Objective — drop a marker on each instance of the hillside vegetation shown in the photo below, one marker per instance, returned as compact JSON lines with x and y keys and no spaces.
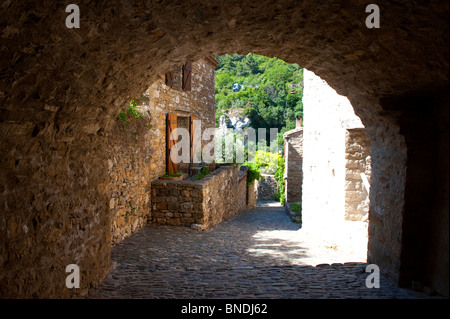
{"x":270,"y":90}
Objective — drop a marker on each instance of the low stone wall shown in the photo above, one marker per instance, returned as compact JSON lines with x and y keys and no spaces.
{"x":200,"y":204}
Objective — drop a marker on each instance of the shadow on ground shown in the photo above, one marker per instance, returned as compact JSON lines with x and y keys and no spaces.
{"x":257,"y":254}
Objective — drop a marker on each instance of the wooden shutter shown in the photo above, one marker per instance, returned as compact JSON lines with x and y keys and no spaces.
{"x":192,"y":134}
{"x":171,"y":124}
{"x":187,"y":76}
{"x":169,"y":78}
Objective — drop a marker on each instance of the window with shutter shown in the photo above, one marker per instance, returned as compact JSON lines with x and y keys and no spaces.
{"x":169,"y":78}
{"x":187,"y":76}
{"x":177,"y":78}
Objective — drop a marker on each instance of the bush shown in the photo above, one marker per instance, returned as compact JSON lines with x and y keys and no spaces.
{"x":205,"y":171}
{"x":279,"y":176}
{"x":253,"y":173}
{"x":297,"y":209}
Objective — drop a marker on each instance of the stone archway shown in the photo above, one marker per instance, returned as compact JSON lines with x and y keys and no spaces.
{"x":62,"y":88}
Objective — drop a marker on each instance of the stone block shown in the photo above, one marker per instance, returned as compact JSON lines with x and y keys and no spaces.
{"x":161,"y":221}
{"x":162,"y":192}
{"x":186,"y":220}
{"x":186,"y":206}
{"x":161,"y":206}
{"x":185,"y":193}
{"x":172,"y":206}
{"x":197,"y":226}
{"x":174,"y":222}
{"x":198,"y":214}
{"x":195,"y":193}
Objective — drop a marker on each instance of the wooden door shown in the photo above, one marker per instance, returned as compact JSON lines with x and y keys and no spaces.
{"x":171,"y":125}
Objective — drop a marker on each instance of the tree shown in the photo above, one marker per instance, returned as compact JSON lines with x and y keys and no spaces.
{"x":266,"y":87}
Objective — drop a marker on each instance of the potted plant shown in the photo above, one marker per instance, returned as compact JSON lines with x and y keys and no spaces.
{"x":173,"y":176}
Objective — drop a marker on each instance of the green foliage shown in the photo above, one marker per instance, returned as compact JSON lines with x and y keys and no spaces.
{"x":232,"y":140}
{"x":266,"y":93}
{"x":253,"y":173}
{"x":172,"y":174}
{"x":279,"y":176}
{"x":271,"y":96}
{"x":129,"y":115}
{"x":267,"y":162}
{"x":126,"y":116}
{"x":205,"y":171}
{"x":296,"y":208}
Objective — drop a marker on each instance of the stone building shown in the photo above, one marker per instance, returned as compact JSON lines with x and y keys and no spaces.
{"x":137,"y":159}
{"x":336,"y":158}
{"x":293,"y":157}
{"x":140,"y":156}
{"x":61,"y":92}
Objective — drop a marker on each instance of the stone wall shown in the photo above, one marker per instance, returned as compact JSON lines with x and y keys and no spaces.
{"x":224,"y":196}
{"x":251,"y":195}
{"x":200,"y":204}
{"x":266,"y":187}
{"x":130,"y":172}
{"x":327,"y":118}
{"x":135,"y":160}
{"x":357,"y":162}
{"x":293,"y":156}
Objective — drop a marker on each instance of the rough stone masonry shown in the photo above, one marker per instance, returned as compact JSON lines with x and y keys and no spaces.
{"x":62,"y":89}
{"x":135,"y":160}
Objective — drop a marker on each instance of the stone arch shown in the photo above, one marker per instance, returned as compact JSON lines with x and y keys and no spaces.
{"x":61,"y":89}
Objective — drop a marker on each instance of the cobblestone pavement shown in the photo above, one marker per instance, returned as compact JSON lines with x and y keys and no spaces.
{"x":257,"y":254}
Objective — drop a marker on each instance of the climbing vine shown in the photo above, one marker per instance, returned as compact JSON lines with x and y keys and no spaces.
{"x":126,"y":116}
{"x":129,"y":115}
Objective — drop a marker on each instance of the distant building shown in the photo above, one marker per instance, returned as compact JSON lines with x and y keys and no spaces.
{"x":293,"y":156}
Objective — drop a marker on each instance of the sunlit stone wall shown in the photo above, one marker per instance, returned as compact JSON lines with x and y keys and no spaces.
{"x":327,"y":116}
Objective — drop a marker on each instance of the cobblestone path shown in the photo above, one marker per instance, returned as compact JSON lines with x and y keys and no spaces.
{"x":257,"y":254}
